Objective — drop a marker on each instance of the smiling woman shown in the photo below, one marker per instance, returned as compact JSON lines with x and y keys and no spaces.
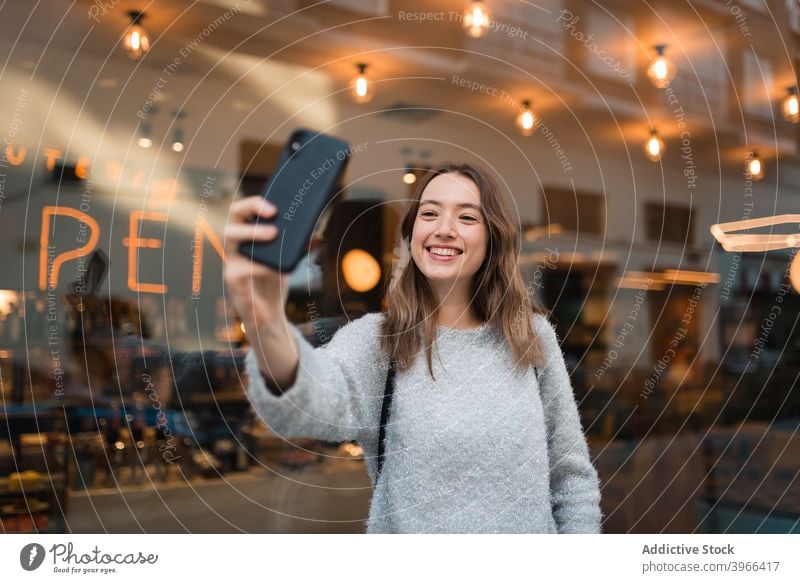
{"x":487,"y":437}
{"x":459,"y":207}
{"x":449,"y":243}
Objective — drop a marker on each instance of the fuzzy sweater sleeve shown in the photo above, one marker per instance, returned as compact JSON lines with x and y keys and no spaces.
{"x":335,"y":394}
{"x":574,"y":484}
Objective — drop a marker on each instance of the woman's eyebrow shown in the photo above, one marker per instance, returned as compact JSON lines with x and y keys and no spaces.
{"x":461,"y":204}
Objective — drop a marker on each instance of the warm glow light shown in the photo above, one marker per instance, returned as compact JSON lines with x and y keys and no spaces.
{"x":360,"y":270}
{"x":667,"y":277}
{"x":361,"y":90}
{"x":361,"y":86}
{"x":534,"y":233}
{"x":135,"y":40}
{"x":757,"y":243}
{"x":753,"y":168}
{"x":794,"y":273}
{"x":656,"y":280}
{"x":8,"y":298}
{"x":351,"y":449}
{"x":689,"y":277}
{"x":177,"y":136}
{"x":737,"y":243}
{"x":791,"y":105}
{"x":526,"y":120}
{"x":638,"y":283}
{"x":654,"y":147}
{"x":477,"y":19}
{"x":409,"y":177}
{"x":144,"y":135}
{"x":661,"y":71}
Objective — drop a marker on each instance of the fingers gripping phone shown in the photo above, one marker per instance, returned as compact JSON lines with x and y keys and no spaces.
{"x":301,"y":186}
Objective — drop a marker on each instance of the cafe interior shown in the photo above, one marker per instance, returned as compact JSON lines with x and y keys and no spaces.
{"x":650,"y":153}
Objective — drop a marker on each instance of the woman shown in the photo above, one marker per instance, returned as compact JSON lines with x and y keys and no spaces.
{"x":484,"y":433}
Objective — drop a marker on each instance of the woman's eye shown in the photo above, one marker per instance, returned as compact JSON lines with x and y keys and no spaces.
{"x":433,"y":214}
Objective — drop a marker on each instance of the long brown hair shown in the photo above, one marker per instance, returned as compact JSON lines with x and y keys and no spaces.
{"x":499,"y":296}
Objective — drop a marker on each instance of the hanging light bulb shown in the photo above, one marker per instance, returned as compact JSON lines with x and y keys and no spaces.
{"x":409,"y":177}
{"x":753,"y":167}
{"x":654,"y":147}
{"x":135,"y":40}
{"x":177,"y":140}
{"x":791,"y":105}
{"x":144,"y":135}
{"x":476,"y":19}
{"x":361,"y":89}
{"x":177,"y":134}
{"x":526,"y":120}
{"x":662,"y":70}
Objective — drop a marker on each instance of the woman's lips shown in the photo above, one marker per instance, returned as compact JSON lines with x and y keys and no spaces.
{"x":442,"y":258}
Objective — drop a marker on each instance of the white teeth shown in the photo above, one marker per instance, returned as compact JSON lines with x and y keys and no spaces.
{"x":443,"y":251}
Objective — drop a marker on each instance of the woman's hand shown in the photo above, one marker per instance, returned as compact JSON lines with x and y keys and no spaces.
{"x":258,"y":293}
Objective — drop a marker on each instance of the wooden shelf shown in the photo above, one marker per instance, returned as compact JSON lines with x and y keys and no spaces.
{"x":46,"y":486}
{"x":43,"y":503}
{"x":44,"y":507}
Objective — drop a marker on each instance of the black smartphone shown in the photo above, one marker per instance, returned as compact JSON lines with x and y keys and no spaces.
{"x":95,"y":274}
{"x":301,"y":186}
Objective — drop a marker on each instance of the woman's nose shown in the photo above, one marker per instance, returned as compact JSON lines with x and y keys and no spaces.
{"x":446,"y":227}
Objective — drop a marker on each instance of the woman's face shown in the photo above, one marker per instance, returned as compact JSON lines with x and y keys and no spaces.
{"x":448,"y":243}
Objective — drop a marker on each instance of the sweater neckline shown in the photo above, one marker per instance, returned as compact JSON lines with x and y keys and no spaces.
{"x":464,"y":331}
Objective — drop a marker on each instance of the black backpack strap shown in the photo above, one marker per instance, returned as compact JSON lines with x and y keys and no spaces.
{"x":386,"y":406}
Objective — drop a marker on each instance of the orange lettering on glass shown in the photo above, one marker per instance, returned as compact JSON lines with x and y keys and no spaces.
{"x":133,"y":242}
{"x":197,"y":256}
{"x":51,"y":277}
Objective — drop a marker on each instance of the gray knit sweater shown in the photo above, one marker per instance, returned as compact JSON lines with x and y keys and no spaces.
{"x":481,"y":449}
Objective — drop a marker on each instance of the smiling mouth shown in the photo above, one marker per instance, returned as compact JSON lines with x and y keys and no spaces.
{"x":443,"y":252}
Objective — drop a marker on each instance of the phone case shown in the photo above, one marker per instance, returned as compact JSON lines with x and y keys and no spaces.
{"x":95,"y":274}
{"x":301,"y":186}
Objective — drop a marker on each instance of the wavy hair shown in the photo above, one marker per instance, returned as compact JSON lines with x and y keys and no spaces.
{"x":498,"y":295}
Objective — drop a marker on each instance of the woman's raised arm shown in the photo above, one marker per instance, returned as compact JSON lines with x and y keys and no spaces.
{"x":258,"y":293}
{"x":297,"y":390}
{"x":336,"y":393}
